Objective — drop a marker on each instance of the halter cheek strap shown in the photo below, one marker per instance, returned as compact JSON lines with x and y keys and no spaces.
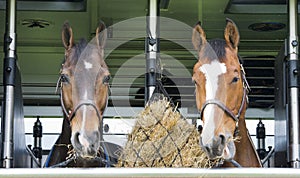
{"x":63,"y":105}
{"x":221,"y":105}
{"x":85,"y":103}
{"x":226,"y":110}
{"x":70,"y":115}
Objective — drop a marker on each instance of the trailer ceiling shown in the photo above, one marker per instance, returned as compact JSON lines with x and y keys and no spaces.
{"x":40,"y":50}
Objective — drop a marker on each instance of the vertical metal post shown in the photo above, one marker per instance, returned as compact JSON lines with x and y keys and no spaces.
{"x":293,"y":88}
{"x":152,"y":47}
{"x":261,"y":136}
{"x":9,"y":71}
{"x":37,"y":135}
{"x":280,"y":108}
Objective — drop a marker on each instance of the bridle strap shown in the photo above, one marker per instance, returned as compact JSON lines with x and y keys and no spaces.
{"x":63,"y":105}
{"x":244,"y":100}
{"x":88,"y":103}
{"x":235,"y":163}
{"x":71,"y":115}
{"x":235,"y":117}
{"x":221,"y":105}
{"x":224,"y":107}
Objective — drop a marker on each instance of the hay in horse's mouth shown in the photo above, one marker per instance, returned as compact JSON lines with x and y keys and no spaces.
{"x":161,"y":137}
{"x":72,"y":154}
{"x":74,"y":158}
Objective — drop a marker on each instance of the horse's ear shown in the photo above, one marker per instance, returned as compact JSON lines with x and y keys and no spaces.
{"x":67,"y":36}
{"x":199,"y":37}
{"x":231,"y":34}
{"x":101,"y":34}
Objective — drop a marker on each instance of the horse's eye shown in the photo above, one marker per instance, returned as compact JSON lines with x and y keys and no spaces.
{"x":106,"y":79}
{"x":194,"y":81}
{"x":235,"y":79}
{"x":64,"y":78}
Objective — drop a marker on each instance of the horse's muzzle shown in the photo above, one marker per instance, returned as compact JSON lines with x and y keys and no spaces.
{"x":86,"y":144}
{"x":219,"y":147}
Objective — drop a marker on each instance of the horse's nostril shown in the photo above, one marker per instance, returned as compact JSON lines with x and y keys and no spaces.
{"x":91,"y":151}
{"x":86,"y":144}
{"x":77,"y":137}
{"x":223,"y":139}
{"x":207,"y":149}
{"x":76,"y":141}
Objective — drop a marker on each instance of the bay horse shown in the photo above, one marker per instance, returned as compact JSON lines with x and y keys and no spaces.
{"x":221,"y":97}
{"x":84,"y":88}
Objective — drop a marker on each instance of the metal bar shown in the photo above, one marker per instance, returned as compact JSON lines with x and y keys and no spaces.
{"x":149,"y":172}
{"x":280,"y":113}
{"x":152,"y":47}
{"x":7,"y":128}
{"x":293,"y":90}
{"x":37,"y":135}
{"x":119,"y":112}
{"x":35,"y":160}
{"x":269,"y":155}
{"x":9,"y":72}
{"x":200,"y":10}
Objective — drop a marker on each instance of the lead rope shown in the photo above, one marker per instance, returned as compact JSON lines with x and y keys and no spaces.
{"x":235,"y":163}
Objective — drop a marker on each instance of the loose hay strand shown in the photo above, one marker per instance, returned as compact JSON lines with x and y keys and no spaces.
{"x":161,"y":137}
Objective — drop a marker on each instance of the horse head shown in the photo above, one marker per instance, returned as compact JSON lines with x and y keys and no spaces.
{"x":84,"y":89}
{"x":221,"y":92}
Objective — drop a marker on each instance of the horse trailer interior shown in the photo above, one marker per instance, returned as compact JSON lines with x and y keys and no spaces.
{"x":33,"y":53}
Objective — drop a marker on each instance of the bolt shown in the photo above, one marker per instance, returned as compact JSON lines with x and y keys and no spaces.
{"x":200,"y":128}
{"x":8,"y":69}
{"x":106,"y":128}
{"x":294,"y":43}
{"x":295,"y":72}
{"x":151,"y":70}
{"x":8,"y":39}
{"x":152,"y":41}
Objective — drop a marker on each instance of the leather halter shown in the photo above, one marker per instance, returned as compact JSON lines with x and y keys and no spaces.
{"x":221,"y":105}
{"x":70,"y":115}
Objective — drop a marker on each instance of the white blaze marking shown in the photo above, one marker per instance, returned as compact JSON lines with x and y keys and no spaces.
{"x":88,"y":65}
{"x":83,"y":118}
{"x":211,"y":72}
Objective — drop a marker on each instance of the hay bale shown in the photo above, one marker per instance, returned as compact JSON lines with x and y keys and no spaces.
{"x":161,"y":137}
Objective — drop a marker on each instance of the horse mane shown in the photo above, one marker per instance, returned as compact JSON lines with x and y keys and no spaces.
{"x":218,"y":46}
{"x":79,"y":48}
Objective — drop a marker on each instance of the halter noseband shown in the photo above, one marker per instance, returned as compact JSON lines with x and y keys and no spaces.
{"x":70,"y":115}
{"x":221,"y":105}
{"x":86,"y":103}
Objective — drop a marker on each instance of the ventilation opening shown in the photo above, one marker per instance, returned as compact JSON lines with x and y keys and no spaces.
{"x":47,"y":5}
{"x":257,"y":7}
